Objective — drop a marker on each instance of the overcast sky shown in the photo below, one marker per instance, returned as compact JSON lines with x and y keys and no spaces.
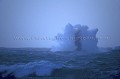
{"x":36,"y":18}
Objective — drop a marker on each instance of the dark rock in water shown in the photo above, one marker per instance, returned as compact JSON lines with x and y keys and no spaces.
{"x":116,"y":76}
{"x":9,"y":76}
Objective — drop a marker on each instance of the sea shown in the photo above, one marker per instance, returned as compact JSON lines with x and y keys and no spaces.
{"x":41,"y":63}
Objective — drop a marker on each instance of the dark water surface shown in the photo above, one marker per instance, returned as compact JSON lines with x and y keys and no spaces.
{"x":36,"y":63}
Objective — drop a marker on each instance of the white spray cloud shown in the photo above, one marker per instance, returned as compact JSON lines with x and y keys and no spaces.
{"x":77,"y":38}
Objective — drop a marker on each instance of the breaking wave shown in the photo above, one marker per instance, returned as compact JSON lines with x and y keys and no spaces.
{"x":42,"y":68}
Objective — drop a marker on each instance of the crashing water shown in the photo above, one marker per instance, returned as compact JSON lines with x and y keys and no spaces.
{"x":77,"y":38}
{"x":41,"y":68}
{"x":25,"y":63}
{"x":46,"y":64}
{"x":71,"y":59}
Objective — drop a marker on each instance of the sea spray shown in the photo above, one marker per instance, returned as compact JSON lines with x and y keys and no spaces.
{"x":76,"y":38}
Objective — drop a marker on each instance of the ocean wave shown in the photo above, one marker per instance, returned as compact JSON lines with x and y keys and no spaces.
{"x":41,"y":68}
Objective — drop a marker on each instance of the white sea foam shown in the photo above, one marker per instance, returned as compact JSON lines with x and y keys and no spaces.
{"x":42,"y":68}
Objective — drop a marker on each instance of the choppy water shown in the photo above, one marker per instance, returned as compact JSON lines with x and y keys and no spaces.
{"x":34,"y":63}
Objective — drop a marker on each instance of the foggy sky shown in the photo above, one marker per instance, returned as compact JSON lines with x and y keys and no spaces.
{"x":36,"y":18}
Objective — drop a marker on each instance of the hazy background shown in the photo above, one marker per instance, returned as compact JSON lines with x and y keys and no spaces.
{"x":36,"y":18}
